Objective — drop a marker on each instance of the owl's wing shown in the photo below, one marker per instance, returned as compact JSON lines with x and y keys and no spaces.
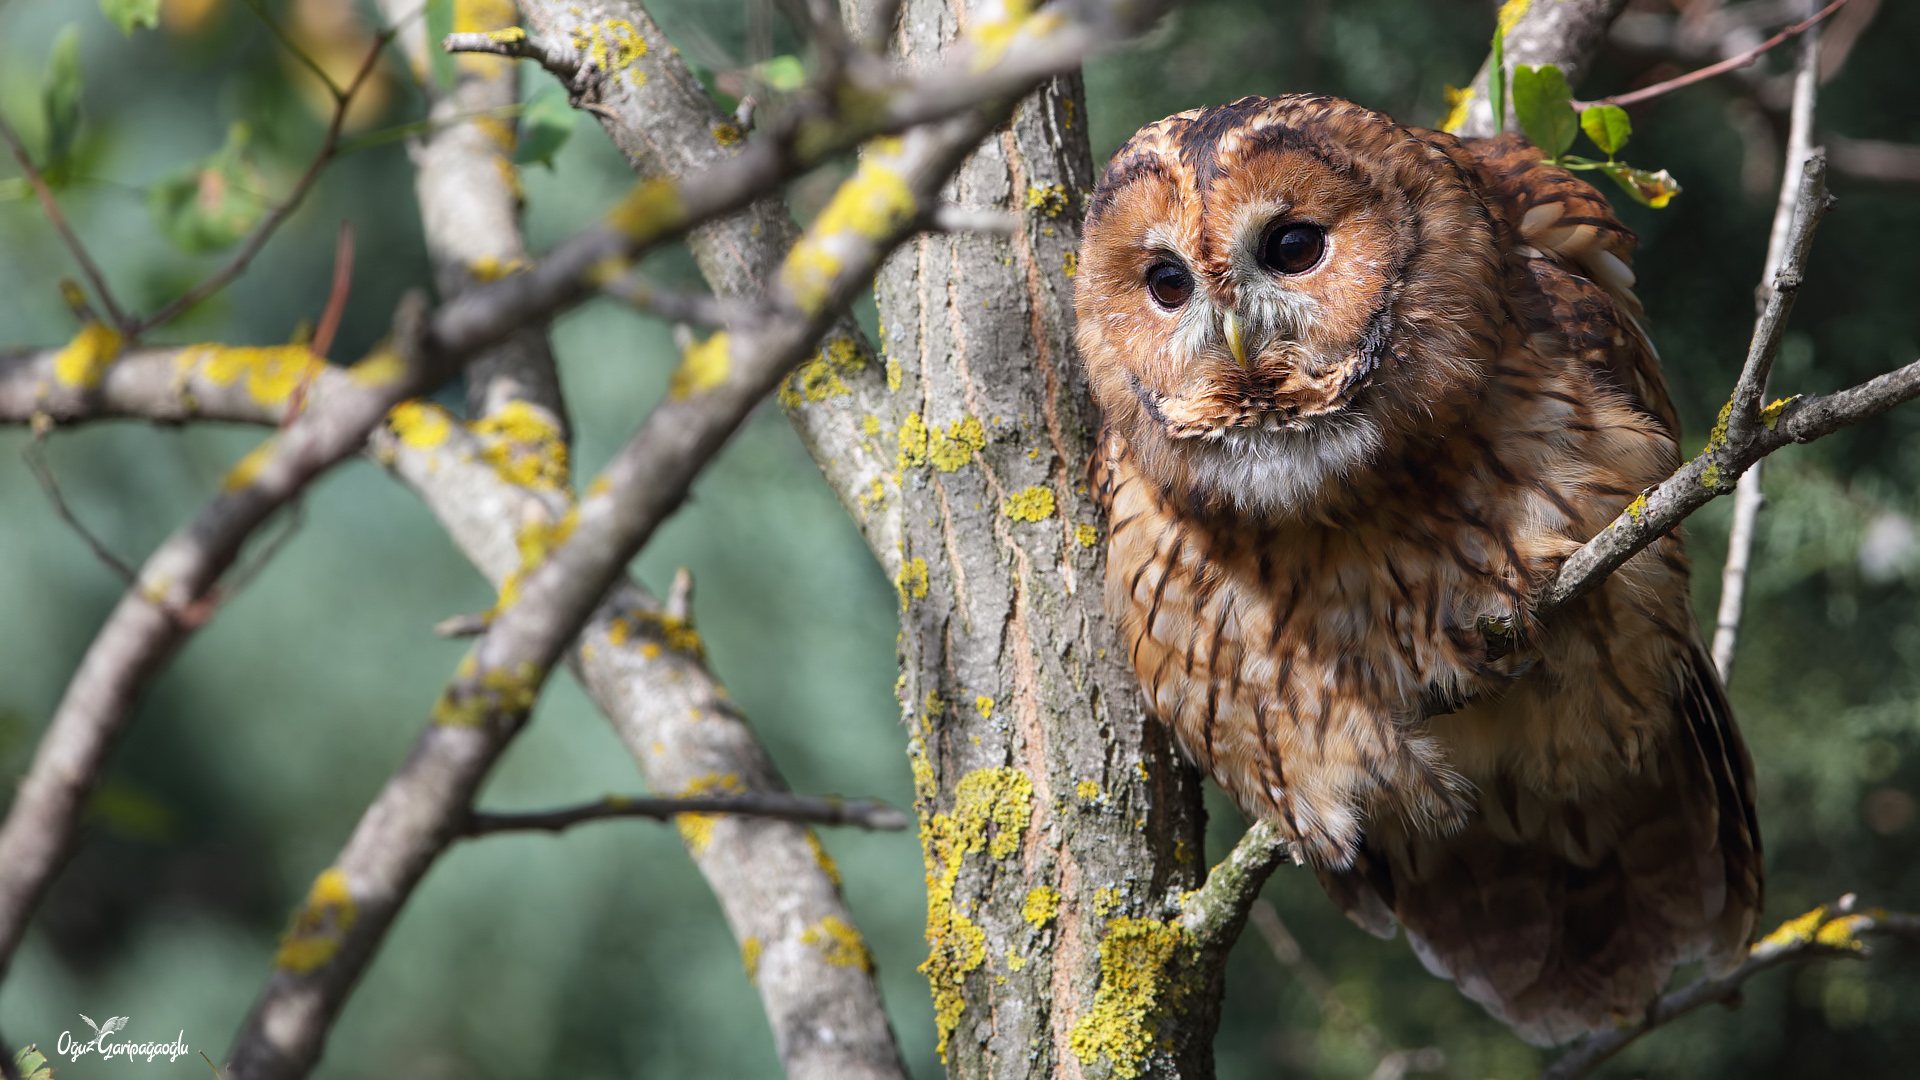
{"x":1565,"y":917}
{"x":1559,"y":225}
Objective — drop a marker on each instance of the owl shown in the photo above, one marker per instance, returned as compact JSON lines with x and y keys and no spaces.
{"x":1364,"y":388}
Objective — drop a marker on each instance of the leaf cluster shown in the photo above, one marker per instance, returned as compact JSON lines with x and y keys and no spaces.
{"x":1543,"y":102}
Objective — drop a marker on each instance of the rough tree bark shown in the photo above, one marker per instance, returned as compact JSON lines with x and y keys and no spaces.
{"x":1059,"y":824}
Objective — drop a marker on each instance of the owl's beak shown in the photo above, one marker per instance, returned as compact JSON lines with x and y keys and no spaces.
{"x":1235,"y":344}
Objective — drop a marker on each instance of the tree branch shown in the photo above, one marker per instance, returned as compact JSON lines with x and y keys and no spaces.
{"x":177,"y":589}
{"x":809,"y":809}
{"x":1824,"y":932}
{"x":1216,"y":912}
{"x":662,"y":120}
{"x":1752,"y":389}
{"x":419,"y":810}
{"x":1648,"y":93}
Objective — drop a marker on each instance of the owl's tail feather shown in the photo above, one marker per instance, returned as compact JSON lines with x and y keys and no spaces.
{"x":1566,"y":916}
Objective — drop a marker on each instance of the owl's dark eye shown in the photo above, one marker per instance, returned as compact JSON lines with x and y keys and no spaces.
{"x":1293,"y":249}
{"x":1169,"y":283}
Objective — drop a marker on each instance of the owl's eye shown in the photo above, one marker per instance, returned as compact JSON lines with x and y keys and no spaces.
{"x":1293,"y":249}
{"x":1169,"y":283}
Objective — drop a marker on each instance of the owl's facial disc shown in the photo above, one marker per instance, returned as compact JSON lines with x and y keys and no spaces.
{"x":1274,"y":293}
{"x":1247,"y":346}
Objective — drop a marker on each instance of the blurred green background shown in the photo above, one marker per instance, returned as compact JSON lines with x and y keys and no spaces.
{"x":600,"y":952}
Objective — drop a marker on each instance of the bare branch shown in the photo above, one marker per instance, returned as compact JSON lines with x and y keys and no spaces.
{"x":663,"y":121}
{"x":1752,"y":389}
{"x":1216,"y":912}
{"x":1647,"y":93}
{"x":561,"y":60}
{"x":176,"y":591}
{"x":422,"y":806}
{"x":811,"y":809}
{"x":1823,"y":933}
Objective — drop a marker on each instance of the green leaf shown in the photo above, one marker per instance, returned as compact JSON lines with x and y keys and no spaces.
{"x":211,"y":205}
{"x":1607,"y":126}
{"x":783,"y":73}
{"x":1540,"y":100}
{"x":1655,"y":189}
{"x":31,"y":1064}
{"x":131,"y":14}
{"x":439,"y":25}
{"x":60,"y":97}
{"x":545,"y":124}
{"x":1497,"y":81}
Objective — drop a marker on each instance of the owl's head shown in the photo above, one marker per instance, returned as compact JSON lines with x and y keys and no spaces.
{"x":1274,"y":294}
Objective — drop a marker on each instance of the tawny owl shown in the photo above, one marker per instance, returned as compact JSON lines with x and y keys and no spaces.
{"x":1365,"y":386}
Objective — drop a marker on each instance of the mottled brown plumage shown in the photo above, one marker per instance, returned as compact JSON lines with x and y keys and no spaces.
{"x":1327,"y":484}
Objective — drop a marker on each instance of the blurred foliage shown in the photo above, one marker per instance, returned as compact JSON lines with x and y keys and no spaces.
{"x":600,"y":952}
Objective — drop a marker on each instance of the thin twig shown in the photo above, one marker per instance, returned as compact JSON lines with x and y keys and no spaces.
{"x":300,"y":54}
{"x":560,"y":59}
{"x":1827,"y":931}
{"x":1749,"y":499}
{"x":279,"y":215}
{"x":1647,"y":93}
{"x":35,"y":457}
{"x":59,"y":221}
{"x":337,"y":295}
{"x":814,"y":810}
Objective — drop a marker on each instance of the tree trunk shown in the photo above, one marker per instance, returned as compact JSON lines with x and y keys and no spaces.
{"x":1059,"y":823}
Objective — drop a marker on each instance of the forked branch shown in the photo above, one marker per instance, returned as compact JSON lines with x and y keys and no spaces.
{"x":1826,"y":932}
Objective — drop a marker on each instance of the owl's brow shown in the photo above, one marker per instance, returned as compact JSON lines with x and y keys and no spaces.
{"x":1123,"y":173}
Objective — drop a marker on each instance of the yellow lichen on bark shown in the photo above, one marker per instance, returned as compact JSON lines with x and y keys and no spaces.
{"x":273,"y":372}
{"x":1139,"y":979}
{"x":750,"y":958}
{"x":911,"y":582}
{"x":705,"y":366}
{"x":839,"y":943}
{"x":870,"y":205}
{"x":1041,"y":906}
{"x":247,"y":469}
{"x":319,"y":926}
{"x":499,"y":691}
{"x":992,"y":808}
{"x":613,"y":46}
{"x":696,"y":830}
{"x":536,"y":540}
{"x":420,"y":424}
{"x":83,"y":362}
{"x":1030,"y":504}
{"x":820,"y":377}
{"x":822,"y":858}
{"x":649,"y":209}
{"x":524,"y":445}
